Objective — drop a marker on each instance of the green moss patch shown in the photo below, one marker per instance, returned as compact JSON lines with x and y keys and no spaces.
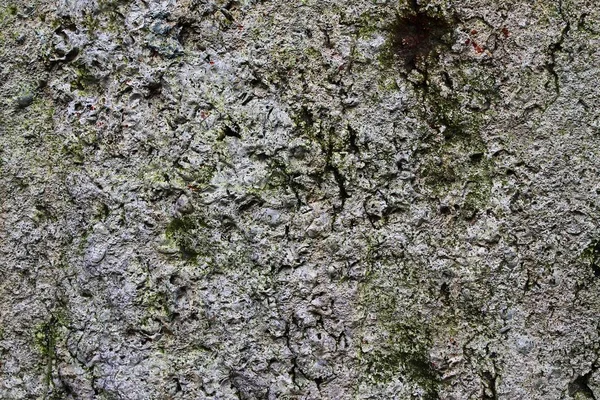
{"x":190,"y":236}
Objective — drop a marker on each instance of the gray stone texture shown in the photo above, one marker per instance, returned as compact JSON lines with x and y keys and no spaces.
{"x":306,"y":199}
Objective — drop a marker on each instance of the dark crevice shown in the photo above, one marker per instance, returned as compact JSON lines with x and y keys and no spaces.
{"x":581,"y":386}
{"x":373,"y":218}
{"x":294,"y":367}
{"x":554,"y":48}
{"x":447,"y":80}
{"x":339,"y":178}
{"x":352,"y":135}
{"x":178,"y":387}
{"x":490,"y":380}
{"x":289,"y":181}
{"x":232,"y":130}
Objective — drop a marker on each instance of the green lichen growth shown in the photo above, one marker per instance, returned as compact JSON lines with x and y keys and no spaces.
{"x":189,"y":236}
{"x":47,"y":336}
{"x":106,"y":17}
{"x":8,"y":13}
{"x":100,"y":211}
{"x":46,"y":341}
{"x":157,"y":306}
{"x":74,"y":150}
{"x":43,"y":213}
{"x":91,"y":22}
{"x":454,"y":153}
{"x":84,"y":80}
{"x":202,"y":175}
{"x":458,"y":100}
{"x":371,"y":22}
{"x":459,"y":165}
{"x":402,"y":350}
{"x":405,"y":354}
{"x":209,"y":247}
{"x":455,"y":104}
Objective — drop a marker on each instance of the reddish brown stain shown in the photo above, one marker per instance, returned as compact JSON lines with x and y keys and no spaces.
{"x":478,"y":48}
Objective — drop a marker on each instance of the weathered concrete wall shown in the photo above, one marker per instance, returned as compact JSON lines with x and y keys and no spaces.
{"x":341,"y":199}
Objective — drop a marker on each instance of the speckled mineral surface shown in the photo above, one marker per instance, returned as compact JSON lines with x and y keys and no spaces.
{"x":304,"y":199}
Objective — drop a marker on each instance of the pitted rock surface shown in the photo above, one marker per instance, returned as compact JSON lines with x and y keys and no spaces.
{"x":217,"y":199}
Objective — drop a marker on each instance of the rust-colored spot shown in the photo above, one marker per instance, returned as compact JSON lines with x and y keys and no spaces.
{"x":505,"y":32}
{"x":478,"y":48}
{"x":473,"y":32}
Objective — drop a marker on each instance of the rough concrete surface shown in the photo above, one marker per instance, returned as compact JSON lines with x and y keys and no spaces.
{"x":304,"y":199}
